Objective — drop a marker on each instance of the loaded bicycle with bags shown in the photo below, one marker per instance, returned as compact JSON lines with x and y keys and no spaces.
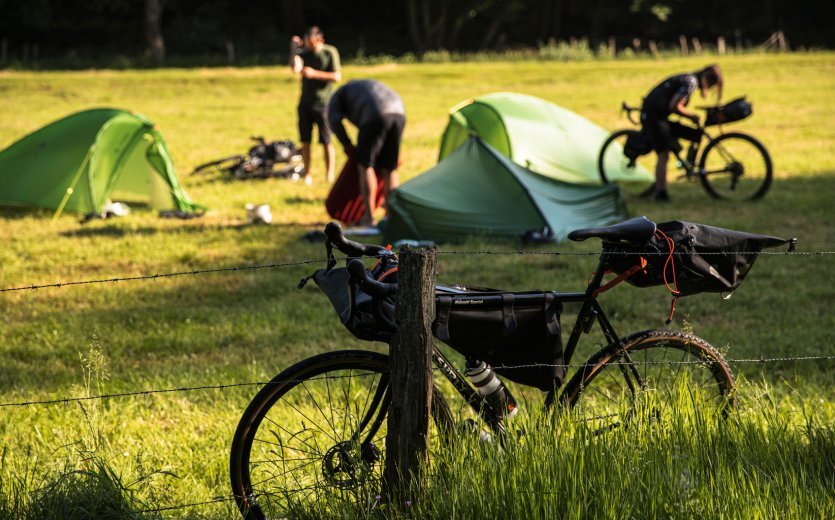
{"x":321,"y":423}
{"x":729,"y":165}
{"x":264,"y":159}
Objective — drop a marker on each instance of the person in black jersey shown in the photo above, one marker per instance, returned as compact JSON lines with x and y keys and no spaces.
{"x":671,"y":96}
{"x":379,"y":114}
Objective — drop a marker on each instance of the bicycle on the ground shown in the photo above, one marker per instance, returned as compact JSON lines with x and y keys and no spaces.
{"x":321,"y":423}
{"x":265,"y":159}
{"x":732,"y":166}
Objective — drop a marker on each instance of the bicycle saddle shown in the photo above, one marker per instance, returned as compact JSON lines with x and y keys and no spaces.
{"x":639,"y":229}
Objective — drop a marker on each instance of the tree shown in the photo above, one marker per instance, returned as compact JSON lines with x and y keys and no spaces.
{"x":153,"y":30}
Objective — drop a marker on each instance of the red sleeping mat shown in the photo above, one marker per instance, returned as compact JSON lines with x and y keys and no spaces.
{"x":344,"y":202}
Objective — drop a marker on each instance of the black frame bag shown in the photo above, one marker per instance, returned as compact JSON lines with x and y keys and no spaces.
{"x":519,"y":339}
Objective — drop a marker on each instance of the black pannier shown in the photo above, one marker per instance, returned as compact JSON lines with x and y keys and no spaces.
{"x":519,"y":335}
{"x":636,"y":145}
{"x":690,"y":258}
{"x":735,"y":110}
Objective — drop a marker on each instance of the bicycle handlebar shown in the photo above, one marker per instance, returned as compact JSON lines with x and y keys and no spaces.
{"x":358,"y":273}
{"x":337,"y":238}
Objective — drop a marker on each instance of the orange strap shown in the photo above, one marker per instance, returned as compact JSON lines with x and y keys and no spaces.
{"x":621,"y":277}
{"x":671,"y":262}
{"x":388,"y":247}
{"x":390,"y":271}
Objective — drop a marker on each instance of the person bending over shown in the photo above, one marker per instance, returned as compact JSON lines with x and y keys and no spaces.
{"x":379,"y":114}
{"x":671,"y":96}
{"x":319,"y":67}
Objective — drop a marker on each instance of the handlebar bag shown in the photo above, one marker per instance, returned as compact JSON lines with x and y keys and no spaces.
{"x":735,"y":110}
{"x":364,"y":317}
{"x":690,"y":258}
{"x":511,"y":336}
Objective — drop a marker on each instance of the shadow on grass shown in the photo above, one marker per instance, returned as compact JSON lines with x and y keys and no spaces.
{"x":260,"y":314}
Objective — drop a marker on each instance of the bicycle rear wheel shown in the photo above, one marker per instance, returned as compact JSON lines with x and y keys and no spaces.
{"x":226,"y":163}
{"x":319,"y":425}
{"x":614,"y":166}
{"x":735,"y":166}
{"x":650,"y":374}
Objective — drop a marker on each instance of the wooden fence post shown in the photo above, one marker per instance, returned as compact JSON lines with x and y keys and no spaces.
{"x":682,"y":41}
{"x":407,"y":440}
{"x":697,"y":45}
{"x":653,"y":49}
{"x":720,"y":45}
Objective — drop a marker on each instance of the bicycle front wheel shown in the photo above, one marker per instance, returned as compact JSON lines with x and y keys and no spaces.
{"x":227,"y":163}
{"x":735,"y":166}
{"x":650,"y":374}
{"x":318,"y":426}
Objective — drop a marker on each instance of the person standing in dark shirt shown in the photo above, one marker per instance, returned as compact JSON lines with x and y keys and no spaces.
{"x":379,"y":114}
{"x":320,"y":68}
{"x":671,"y":96}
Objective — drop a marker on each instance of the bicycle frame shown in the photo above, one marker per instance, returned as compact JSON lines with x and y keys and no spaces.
{"x":590,"y":311}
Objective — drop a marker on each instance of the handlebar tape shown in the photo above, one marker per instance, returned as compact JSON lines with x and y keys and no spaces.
{"x":358,"y":273}
{"x":337,"y":238}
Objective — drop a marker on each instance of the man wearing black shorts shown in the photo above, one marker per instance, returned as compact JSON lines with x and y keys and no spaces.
{"x":671,"y":96}
{"x":319,"y":67}
{"x":379,"y":114}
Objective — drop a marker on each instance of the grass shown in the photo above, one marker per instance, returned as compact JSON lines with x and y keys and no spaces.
{"x":167,"y":449}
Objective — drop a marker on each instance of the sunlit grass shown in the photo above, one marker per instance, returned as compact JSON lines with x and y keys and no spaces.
{"x":162,"y":450}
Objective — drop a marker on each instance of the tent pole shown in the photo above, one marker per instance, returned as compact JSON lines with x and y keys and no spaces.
{"x":72,"y":184}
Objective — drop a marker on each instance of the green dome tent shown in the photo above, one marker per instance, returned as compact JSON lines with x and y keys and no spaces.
{"x":476,"y":190}
{"x":546,"y":139}
{"x":79,"y":162}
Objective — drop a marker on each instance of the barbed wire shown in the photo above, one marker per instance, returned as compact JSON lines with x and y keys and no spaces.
{"x":68,"y":400}
{"x":213,"y":500}
{"x":640,"y":253}
{"x":164,"y":275}
{"x":242,"y":268}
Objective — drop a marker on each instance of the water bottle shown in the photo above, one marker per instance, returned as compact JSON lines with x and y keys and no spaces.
{"x":491,"y":388}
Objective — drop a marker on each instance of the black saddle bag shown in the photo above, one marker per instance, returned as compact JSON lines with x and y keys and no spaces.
{"x":735,"y":110}
{"x":690,"y":258}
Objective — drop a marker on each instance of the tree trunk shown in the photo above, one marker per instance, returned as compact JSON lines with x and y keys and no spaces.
{"x":414,"y":28}
{"x":153,"y":30}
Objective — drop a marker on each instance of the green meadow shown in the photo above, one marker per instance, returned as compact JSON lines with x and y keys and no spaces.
{"x":129,"y":457}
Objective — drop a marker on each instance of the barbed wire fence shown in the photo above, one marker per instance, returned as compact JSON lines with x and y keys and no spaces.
{"x":248,"y":268}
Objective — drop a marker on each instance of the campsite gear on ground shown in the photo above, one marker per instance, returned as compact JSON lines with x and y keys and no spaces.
{"x":489,"y":386}
{"x":344,"y":202}
{"x":634,"y":378}
{"x":259,"y":213}
{"x":82,"y":161}
{"x":544,"y":138}
{"x":732,"y":111}
{"x":116,"y":209}
{"x":733,"y":166}
{"x":265,"y":159}
{"x":478,"y":191}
